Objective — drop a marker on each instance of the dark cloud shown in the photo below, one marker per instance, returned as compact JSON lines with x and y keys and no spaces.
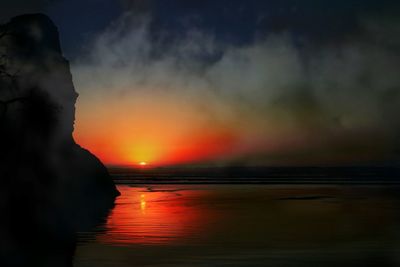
{"x":230,"y":21}
{"x":240,"y":23}
{"x":328,"y":98}
{"x":302,"y":73}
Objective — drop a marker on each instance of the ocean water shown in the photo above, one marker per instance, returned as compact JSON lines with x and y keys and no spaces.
{"x":247,"y":225}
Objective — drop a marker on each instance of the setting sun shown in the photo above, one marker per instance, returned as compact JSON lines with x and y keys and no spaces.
{"x":143,"y":163}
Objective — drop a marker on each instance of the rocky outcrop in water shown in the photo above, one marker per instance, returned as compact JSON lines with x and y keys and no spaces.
{"x":40,"y":163}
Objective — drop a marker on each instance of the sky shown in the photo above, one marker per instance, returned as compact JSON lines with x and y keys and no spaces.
{"x":232,"y":82}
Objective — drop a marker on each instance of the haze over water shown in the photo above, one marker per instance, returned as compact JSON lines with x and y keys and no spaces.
{"x":263,"y":225}
{"x":241,"y":133}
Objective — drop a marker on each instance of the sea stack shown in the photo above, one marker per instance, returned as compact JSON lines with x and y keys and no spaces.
{"x":39,"y":159}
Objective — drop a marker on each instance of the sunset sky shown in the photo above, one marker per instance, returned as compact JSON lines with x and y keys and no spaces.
{"x":232,"y":82}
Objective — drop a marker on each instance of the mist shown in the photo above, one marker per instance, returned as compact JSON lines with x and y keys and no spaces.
{"x":276,"y":100}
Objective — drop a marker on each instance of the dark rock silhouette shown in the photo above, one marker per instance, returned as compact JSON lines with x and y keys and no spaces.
{"x":37,"y":105}
{"x":50,"y":187}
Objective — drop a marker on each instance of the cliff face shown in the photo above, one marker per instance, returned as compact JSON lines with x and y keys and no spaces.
{"x":50,"y":188}
{"x":37,"y":109}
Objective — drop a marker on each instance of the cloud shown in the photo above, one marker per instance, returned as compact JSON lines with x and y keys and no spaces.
{"x":280,"y":101}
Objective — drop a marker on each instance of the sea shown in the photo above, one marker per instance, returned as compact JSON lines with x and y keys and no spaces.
{"x":189,"y":222}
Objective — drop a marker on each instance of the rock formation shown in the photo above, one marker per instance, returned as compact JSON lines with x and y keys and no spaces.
{"x":37,"y":111}
{"x":51,"y":188}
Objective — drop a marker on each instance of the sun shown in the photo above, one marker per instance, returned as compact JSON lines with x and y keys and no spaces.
{"x":142,"y":163}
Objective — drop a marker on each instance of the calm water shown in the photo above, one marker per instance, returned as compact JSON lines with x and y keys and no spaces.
{"x":227,"y":225}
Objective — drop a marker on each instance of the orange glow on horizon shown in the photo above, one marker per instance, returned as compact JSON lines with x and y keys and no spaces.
{"x":157,"y":148}
{"x":157,"y":130}
{"x":137,"y":153}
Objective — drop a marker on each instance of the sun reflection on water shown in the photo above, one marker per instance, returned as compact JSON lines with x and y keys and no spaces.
{"x":143,"y":203}
{"x":148,"y":216}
